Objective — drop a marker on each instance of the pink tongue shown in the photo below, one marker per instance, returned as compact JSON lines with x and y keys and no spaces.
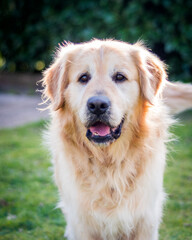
{"x":100,"y":129}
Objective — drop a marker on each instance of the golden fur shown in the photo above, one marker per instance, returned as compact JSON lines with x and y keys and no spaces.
{"x":112,"y":191}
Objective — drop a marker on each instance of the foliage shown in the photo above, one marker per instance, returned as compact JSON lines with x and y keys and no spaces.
{"x":28,"y":196}
{"x":30,"y":31}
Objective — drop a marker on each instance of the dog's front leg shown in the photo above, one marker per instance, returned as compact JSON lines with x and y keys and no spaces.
{"x":146,"y":231}
{"x":79,"y":231}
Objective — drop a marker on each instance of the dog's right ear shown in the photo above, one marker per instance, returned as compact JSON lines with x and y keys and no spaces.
{"x":56,"y":80}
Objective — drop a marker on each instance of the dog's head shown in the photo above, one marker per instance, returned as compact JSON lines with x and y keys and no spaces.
{"x":101,"y":82}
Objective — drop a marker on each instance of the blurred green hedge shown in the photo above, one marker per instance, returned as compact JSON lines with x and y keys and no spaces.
{"x":31,"y":30}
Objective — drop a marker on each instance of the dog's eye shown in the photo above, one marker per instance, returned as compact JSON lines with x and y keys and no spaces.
{"x":84,"y":78}
{"x":118,"y":77}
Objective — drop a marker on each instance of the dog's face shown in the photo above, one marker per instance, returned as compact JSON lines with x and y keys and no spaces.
{"x":101,"y":82}
{"x":103,"y":90}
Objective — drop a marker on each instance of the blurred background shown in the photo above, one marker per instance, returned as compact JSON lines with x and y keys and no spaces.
{"x":30,"y":32}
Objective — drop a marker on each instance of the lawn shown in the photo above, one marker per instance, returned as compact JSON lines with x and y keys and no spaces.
{"x":28,"y":195}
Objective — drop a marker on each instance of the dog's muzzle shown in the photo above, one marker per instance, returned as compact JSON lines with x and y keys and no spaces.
{"x":99,"y":129}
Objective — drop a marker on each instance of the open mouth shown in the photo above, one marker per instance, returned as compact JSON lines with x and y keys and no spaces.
{"x":102,"y":133}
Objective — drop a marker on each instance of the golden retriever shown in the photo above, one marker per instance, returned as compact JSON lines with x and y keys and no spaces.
{"x":108,"y":137}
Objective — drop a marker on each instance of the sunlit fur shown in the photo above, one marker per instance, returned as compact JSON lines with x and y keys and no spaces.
{"x":112,"y":192}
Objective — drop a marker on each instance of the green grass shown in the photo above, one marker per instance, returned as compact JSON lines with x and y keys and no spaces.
{"x":28,"y":195}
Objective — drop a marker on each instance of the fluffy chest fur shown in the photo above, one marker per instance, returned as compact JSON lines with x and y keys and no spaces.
{"x":111,"y":191}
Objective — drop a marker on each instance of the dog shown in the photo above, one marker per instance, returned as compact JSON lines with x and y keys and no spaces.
{"x":108,"y":133}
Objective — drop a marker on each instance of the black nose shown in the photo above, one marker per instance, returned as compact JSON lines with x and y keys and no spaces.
{"x":98,"y":104}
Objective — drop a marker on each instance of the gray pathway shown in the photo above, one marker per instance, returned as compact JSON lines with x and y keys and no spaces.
{"x":17,"y":110}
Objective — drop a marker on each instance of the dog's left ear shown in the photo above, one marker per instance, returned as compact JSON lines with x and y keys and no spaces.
{"x":151,"y":71}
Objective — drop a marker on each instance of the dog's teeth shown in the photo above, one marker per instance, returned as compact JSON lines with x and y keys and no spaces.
{"x":96,"y":134}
